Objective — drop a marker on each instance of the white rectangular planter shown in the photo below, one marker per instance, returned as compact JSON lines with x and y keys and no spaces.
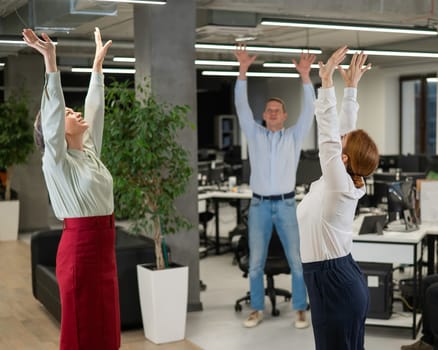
{"x":163,"y":301}
{"x":9,"y":217}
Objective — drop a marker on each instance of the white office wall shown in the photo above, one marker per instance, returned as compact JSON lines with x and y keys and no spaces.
{"x":378,"y":114}
{"x":408,"y":116}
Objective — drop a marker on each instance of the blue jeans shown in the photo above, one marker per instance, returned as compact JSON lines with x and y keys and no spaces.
{"x":263,"y":214}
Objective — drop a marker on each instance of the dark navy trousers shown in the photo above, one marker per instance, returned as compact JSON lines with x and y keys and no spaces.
{"x":339,"y":300}
{"x":430,"y":310}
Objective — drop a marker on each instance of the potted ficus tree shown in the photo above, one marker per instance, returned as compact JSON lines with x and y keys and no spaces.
{"x":150,"y":170}
{"x":16,"y":144}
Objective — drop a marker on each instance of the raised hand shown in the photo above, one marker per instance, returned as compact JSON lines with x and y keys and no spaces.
{"x":244,"y":59}
{"x":326,"y":70}
{"x":45,"y":46}
{"x":356,"y":69}
{"x":304,"y":66}
{"x":101,"y":50}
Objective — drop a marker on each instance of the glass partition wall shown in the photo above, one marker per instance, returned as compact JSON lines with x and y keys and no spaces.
{"x":418,"y":114}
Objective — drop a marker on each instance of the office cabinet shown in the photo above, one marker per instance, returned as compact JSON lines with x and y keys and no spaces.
{"x":226,"y":131}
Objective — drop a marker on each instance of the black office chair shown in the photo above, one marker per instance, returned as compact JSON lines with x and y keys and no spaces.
{"x":205,"y":242}
{"x":276,"y":263}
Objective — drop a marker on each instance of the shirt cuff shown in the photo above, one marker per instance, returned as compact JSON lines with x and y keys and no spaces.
{"x":52,"y":77}
{"x":327,"y":93}
{"x":350,"y":92}
{"x":97,"y":78}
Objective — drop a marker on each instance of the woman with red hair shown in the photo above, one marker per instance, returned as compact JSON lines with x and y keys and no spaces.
{"x":337,"y":290}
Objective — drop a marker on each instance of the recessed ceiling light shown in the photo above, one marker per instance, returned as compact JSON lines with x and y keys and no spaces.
{"x":347,"y":26}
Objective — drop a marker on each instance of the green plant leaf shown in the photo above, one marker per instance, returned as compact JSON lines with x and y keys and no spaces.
{"x":149,"y":167}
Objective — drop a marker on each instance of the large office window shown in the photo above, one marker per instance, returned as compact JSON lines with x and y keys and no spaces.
{"x":418,"y":95}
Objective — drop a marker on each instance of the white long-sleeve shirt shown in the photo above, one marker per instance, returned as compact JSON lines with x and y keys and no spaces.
{"x":274,"y":156}
{"x":78,"y":183}
{"x":325,"y":215}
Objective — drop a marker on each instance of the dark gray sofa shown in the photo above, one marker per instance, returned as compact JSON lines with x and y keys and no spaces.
{"x":130,"y":251}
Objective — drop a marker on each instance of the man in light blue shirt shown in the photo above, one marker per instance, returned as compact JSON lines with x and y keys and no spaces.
{"x":274,"y":154}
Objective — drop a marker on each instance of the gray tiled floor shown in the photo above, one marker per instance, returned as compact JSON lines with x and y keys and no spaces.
{"x":219,"y":327}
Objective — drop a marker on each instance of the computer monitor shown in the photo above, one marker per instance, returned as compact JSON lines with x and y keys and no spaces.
{"x":380,"y":188}
{"x":216,"y":175}
{"x":401,"y":203}
{"x":246,"y":172}
{"x":373,"y":224}
{"x":409,"y":162}
{"x":432,"y":164}
{"x":389,"y":162}
{"x":309,"y":168}
{"x":203,"y":168}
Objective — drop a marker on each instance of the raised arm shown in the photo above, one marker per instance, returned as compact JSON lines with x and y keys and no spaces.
{"x":95,"y":101}
{"x":244,"y":59}
{"x":330,"y":147}
{"x":244,"y":112}
{"x":52,"y":102}
{"x":304,"y":66}
{"x":44,"y":46}
{"x":305,"y":119}
{"x":350,"y":107}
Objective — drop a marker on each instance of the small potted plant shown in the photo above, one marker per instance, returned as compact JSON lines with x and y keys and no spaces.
{"x":16,"y":144}
{"x":150,"y":170}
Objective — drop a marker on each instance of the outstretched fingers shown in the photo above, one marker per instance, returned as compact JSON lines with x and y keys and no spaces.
{"x":44,"y":45}
{"x":339,"y":55}
{"x":101,"y":50}
{"x":30,"y":37}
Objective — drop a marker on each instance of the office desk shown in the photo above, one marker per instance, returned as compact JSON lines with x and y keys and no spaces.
{"x":432,"y":238}
{"x":394,"y":247}
{"x":218,"y":196}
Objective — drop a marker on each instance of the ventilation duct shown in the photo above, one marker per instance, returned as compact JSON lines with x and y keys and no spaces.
{"x":66,"y":15}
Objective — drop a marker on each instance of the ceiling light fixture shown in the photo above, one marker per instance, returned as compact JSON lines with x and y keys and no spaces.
{"x":220,"y":73}
{"x":223,"y":47}
{"x":197,"y":62}
{"x":12,"y":42}
{"x":216,"y":63}
{"x":66,"y":30}
{"x":291,"y":65}
{"x":124,"y":59}
{"x":416,"y":54}
{"x":245,"y":38}
{"x":142,"y":2}
{"x":347,"y":26}
{"x":284,"y":65}
{"x":15,"y":41}
{"x":104,"y":70}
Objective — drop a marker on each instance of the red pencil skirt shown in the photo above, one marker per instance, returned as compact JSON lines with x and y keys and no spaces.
{"x":87,"y":276}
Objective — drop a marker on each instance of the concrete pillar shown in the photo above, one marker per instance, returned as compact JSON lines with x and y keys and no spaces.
{"x":164,"y":51}
{"x":24,"y":76}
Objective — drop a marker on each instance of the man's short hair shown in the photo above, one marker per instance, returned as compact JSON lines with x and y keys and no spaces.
{"x":277,"y":99}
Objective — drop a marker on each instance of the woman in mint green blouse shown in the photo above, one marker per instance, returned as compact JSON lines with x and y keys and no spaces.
{"x":81,"y":192}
